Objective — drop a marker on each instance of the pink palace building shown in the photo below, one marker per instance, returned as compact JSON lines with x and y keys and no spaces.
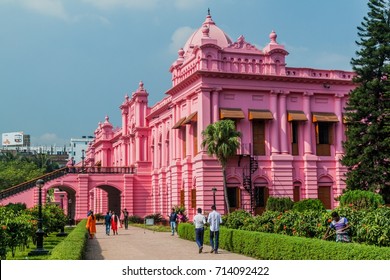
{"x":291,"y":120}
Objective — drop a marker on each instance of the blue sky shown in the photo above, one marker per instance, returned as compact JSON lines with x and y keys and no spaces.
{"x":66,"y":64}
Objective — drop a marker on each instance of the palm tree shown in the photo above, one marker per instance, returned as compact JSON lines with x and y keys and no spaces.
{"x":221,"y":139}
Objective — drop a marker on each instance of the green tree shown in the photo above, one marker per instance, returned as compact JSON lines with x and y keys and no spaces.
{"x":43,"y":161}
{"x":16,"y":172}
{"x":367,"y":149}
{"x":221,"y":139}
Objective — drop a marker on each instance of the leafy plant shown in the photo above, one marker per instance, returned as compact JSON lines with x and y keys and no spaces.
{"x":136,"y":219}
{"x":374,"y":227}
{"x":156,"y":216}
{"x":279,"y":204}
{"x":359,"y":199}
{"x":308,"y":204}
{"x":237,"y":219}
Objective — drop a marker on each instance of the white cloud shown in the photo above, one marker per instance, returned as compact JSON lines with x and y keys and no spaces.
{"x":48,"y":139}
{"x":188,"y":4}
{"x":180,"y":37}
{"x":113,"y":4}
{"x":53,"y":8}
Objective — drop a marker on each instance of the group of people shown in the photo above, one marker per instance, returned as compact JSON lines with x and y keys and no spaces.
{"x":111,"y":221}
{"x":214,"y":220}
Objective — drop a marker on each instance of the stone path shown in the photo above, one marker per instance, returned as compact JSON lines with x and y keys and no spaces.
{"x":140,"y":244}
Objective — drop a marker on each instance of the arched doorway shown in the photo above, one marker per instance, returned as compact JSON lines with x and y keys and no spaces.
{"x":261,"y":194}
{"x":65,"y":198}
{"x":234,"y":194}
{"x":325,"y":191}
{"x":109,"y":199}
{"x":297,"y":191}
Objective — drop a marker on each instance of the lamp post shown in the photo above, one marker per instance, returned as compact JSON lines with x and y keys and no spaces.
{"x":39,"y":233}
{"x":70,"y":211}
{"x":82,"y":160}
{"x":214,"y":191}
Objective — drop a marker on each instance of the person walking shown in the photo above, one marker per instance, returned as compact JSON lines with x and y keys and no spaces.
{"x":114,"y":223}
{"x":172,"y":220}
{"x":107,"y":222}
{"x":91,"y":225}
{"x":126,"y":218}
{"x":340,"y":225}
{"x":199,"y":222}
{"x":214,"y":220}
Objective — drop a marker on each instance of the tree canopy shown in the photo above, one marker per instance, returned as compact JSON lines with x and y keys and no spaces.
{"x":367,"y":149}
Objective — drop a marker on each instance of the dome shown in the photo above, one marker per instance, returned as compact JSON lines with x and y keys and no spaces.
{"x":214,"y":32}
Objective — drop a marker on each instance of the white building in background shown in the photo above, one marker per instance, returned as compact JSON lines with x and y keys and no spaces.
{"x":77,"y":146}
{"x":15,"y":141}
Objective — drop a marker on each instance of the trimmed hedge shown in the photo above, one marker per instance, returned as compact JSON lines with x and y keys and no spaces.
{"x":73,"y":246}
{"x":268,"y":246}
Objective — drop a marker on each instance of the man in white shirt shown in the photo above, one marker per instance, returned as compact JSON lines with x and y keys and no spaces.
{"x":214,"y":219}
{"x":199,"y":222}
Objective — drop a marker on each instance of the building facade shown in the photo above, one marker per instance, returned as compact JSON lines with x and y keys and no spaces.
{"x":291,"y":120}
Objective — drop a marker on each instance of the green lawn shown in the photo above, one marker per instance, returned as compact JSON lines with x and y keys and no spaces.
{"x":49,"y":243}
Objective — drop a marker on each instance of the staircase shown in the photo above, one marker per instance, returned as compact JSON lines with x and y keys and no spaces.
{"x":247,"y":180}
{"x":31,"y":184}
{"x":62,"y":172}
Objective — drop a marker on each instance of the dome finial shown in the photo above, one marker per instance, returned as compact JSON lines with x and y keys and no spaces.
{"x":273,"y":37}
{"x":141,"y":85}
{"x":208,"y":11}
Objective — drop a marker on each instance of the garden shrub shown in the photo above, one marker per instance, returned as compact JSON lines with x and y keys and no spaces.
{"x":136,"y":219}
{"x":156,"y":216}
{"x":16,"y":207}
{"x":308,"y":204}
{"x":73,"y":246}
{"x":236,"y":219}
{"x":261,"y":245}
{"x":374,"y":227}
{"x":263,"y":223}
{"x":279,"y":204}
{"x":359,"y":199}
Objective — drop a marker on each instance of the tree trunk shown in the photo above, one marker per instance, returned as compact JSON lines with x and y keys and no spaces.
{"x":225,"y":190}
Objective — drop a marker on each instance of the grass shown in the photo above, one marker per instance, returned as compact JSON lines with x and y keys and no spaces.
{"x":158,"y":228}
{"x":49,"y":242}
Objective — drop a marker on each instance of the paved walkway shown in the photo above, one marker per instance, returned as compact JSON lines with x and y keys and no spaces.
{"x":139,"y":244}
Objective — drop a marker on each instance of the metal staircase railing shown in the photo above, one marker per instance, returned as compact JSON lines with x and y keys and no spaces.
{"x":30,"y":184}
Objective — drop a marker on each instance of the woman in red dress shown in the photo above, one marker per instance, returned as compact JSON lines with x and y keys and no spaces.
{"x":114,"y":223}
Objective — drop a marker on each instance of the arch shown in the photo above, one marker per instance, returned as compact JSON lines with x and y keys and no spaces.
{"x":324,"y":190}
{"x":325,"y":179}
{"x":65,"y":198}
{"x":110,"y":199}
{"x":261,"y":180}
{"x":297,"y":190}
{"x":261,"y":193}
{"x":233,"y":192}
